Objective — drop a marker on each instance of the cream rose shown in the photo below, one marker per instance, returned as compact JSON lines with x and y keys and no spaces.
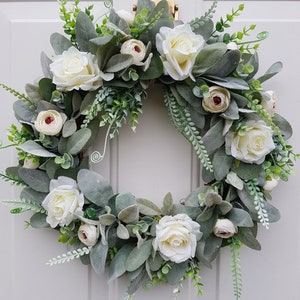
{"x":50,"y":122}
{"x":253,"y":146}
{"x":88,"y":234}
{"x":63,"y":202}
{"x":217,"y":100}
{"x":269,"y":104}
{"x":176,"y":237}
{"x":74,"y":70}
{"x":224,"y":228}
{"x":31,"y":163}
{"x":178,"y":48}
{"x":135,"y":48}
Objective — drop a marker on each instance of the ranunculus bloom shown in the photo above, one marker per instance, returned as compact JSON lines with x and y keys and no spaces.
{"x":50,"y":122}
{"x":126,"y":15}
{"x":224,"y":228}
{"x":63,"y":202}
{"x":253,"y":146}
{"x":269,"y":104}
{"x":217,"y":101}
{"x":74,"y":70}
{"x":88,"y":234}
{"x":176,"y":237}
{"x":135,"y":48}
{"x":178,"y":48}
{"x":271,"y":183}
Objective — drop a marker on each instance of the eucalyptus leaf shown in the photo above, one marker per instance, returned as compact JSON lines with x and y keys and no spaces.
{"x":176,"y":273}
{"x":30,"y":194}
{"x":221,"y":163}
{"x":272,"y":71}
{"x":38,"y":220}
{"x":240,"y":217}
{"x":69,"y":128}
{"x":22,"y":112}
{"x":85,"y":31}
{"x":94,"y":187}
{"x":36,"y":149}
{"x":247,"y":171}
{"x":155,"y":69}
{"x":147,"y":207}
{"x":232,"y":112}
{"x":117,"y":266}
{"x":229,"y":82}
{"x":98,"y":256}
{"x":33,"y":92}
{"x":212,"y":247}
{"x":119,"y":62}
{"x":77,"y":142}
{"x":36,"y":179}
{"x":213,"y":138}
{"x":203,"y":27}
{"x":138,"y":256}
{"x":246,"y":236}
{"x":59,"y":43}
{"x":47,"y":87}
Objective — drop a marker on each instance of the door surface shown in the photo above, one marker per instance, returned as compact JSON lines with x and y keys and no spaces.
{"x":149,"y":163}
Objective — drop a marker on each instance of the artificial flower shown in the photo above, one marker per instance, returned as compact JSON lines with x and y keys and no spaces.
{"x":31,"y":162}
{"x":251,"y":146}
{"x":63,"y":202}
{"x":88,"y":234}
{"x":178,"y":48}
{"x":271,"y":183}
{"x":74,"y":70}
{"x":217,"y":100}
{"x":126,"y":15}
{"x":269,"y":102}
{"x":135,"y":48}
{"x":176,"y":237}
{"x":224,"y":228}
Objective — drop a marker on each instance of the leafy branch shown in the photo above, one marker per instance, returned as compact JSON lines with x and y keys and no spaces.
{"x":14,"y":180}
{"x":258,"y":200}
{"x":67,"y":257}
{"x":23,"y":205}
{"x":20,"y":96}
{"x":182,"y":121}
{"x":236,"y":269}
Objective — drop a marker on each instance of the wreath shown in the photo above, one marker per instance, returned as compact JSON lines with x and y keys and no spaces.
{"x":97,"y":81}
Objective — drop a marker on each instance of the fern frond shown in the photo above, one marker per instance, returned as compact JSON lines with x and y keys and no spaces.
{"x":197,"y":22}
{"x":67,"y":257}
{"x":14,"y":180}
{"x":236,"y":269}
{"x":259,"y":200}
{"x":182,"y":121}
{"x":20,"y":96}
{"x":23,"y":205}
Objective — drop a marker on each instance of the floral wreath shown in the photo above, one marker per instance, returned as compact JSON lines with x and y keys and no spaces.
{"x":97,"y":81}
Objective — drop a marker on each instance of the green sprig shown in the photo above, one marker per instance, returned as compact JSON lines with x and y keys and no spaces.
{"x":69,"y":256}
{"x":13,"y":180}
{"x":23,"y":205}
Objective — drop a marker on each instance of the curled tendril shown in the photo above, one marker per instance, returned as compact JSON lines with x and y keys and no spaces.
{"x":96,"y":157}
{"x":108,"y":3}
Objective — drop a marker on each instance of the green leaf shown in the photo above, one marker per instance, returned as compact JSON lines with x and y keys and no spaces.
{"x":23,"y":112}
{"x":247,"y":171}
{"x":118,"y":264}
{"x":272,"y":71}
{"x":77,"y":142}
{"x":221,"y":163}
{"x":229,"y":82}
{"x":59,"y":43}
{"x":176,"y":273}
{"x":138,"y":256}
{"x":47,"y":87}
{"x":38,"y":180}
{"x":213,"y":138}
{"x":147,"y":207}
{"x":98,"y":256}
{"x":94,"y":187}
{"x":240,"y":217}
{"x":155,"y":69}
{"x":38,"y":220}
{"x":69,"y":128}
{"x":246,"y":236}
{"x":85,"y":31}
{"x":119,"y":62}
{"x":207,"y":57}
{"x":36,"y":149}
{"x":284,"y":126}
{"x":167,"y":204}
{"x":130,"y":214}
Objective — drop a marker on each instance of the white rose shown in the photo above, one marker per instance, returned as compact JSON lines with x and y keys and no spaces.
{"x":271,"y":183}
{"x":178,"y":48}
{"x":135,"y":48}
{"x":74,"y":70}
{"x":50,"y":122}
{"x":253,"y":146}
{"x":31,"y":163}
{"x":176,"y":237}
{"x":63,"y":202}
{"x":224,"y":228}
{"x":269,"y":104}
{"x":126,"y":15}
{"x":217,"y":101}
{"x":88,"y":234}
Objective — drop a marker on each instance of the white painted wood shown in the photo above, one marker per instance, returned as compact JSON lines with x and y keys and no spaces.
{"x":149,"y":164}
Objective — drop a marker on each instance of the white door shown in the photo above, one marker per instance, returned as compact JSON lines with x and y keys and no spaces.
{"x":140,"y":162}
